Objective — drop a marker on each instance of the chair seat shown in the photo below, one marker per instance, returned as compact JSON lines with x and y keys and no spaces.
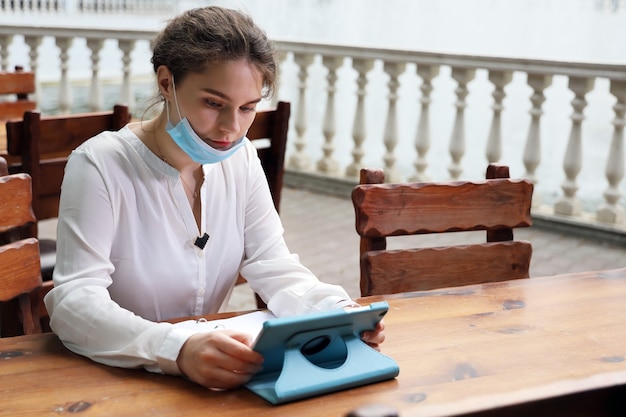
{"x":48,"y":257}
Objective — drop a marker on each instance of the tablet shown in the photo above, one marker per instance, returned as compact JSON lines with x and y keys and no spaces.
{"x":310,"y":345}
{"x":277,"y":333}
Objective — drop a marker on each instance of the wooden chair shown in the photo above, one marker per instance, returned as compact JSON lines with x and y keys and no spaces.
{"x":20,"y":275}
{"x":20,"y":84}
{"x":269,"y":134}
{"x":37,"y":297}
{"x":14,"y":101}
{"x":496,"y":205}
{"x":43,"y":145}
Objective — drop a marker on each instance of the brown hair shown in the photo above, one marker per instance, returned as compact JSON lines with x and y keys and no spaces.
{"x":199,"y":37}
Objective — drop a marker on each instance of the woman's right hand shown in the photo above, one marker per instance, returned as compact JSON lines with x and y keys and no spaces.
{"x":220,"y":359}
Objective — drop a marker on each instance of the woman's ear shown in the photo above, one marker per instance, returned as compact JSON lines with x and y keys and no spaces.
{"x":164,"y":81}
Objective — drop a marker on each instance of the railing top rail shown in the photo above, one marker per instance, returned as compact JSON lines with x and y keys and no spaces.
{"x":540,"y":66}
{"x":80,"y":32}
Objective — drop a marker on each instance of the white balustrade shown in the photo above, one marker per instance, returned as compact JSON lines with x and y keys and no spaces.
{"x":65,"y":91}
{"x":412,"y":113}
{"x":611,"y":211}
{"x":95,"y":95}
{"x":5,"y":40}
{"x":328,"y":165}
{"x":33,"y":43}
{"x":532,"y":150}
{"x":569,"y":204}
{"x":494,"y":142}
{"x":127,"y":46}
{"x":457,"y":141}
{"x":89,"y":6}
{"x":359,"y":127}
{"x":422,"y":135}
{"x":39,"y":6}
{"x":299,"y":160}
{"x":390,"y":139}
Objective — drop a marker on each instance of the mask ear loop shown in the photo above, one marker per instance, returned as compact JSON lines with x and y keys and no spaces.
{"x":180,"y":117}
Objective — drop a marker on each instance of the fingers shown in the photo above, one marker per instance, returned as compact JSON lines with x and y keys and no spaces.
{"x":231,"y":352}
{"x":219,"y":359}
{"x":375,"y":337}
{"x":236,"y":345}
{"x":223,"y":378}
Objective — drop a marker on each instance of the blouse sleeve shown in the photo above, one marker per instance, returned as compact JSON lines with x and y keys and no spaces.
{"x":277,"y":275}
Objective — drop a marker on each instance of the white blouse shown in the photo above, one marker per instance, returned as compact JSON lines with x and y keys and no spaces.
{"x":126,"y":258}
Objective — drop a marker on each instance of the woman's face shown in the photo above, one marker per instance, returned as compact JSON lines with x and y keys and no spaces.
{"x":220,"y":103}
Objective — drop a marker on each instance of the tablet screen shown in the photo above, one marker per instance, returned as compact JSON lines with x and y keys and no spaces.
{"x":319,"y":336}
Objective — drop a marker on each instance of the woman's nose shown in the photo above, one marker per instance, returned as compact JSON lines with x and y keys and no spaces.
{"x":229,"y":122}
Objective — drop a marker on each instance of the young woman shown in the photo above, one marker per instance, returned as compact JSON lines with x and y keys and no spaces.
{"x":134,"y":203}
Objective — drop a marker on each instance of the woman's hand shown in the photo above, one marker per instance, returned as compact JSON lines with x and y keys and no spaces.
{"x":375,"y":337}
{"x":220,"y":359}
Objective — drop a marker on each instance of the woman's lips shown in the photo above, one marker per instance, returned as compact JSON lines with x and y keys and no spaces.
{"x":222,"y":145}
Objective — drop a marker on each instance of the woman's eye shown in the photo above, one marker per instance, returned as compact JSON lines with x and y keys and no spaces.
{"x":248,"y":109}
{"x":212,"y":103}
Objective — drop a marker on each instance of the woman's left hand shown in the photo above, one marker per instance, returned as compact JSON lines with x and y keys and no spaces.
{"x":375,"y":337}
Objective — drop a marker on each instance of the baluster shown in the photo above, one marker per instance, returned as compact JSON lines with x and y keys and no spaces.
{"x":5,"y":41}
{"x":275,"y":98}
{"x":65,"y":90}
{"x":71,"y":6}
{"x":300,"y":160}
{"x":359,"y":128}
{"x":611,"y":211}
{"x":494,"y":141}
{"x":33,"y":43}
{"x":327,"y":164}
{"x":95,"y":94}
{"x":532,"y":149}
{"x":422,"y":135}
{"x":127,"y":46}
{"x":569,"y":204}
{"x":457,"y":141}
{"x":393,"y":69}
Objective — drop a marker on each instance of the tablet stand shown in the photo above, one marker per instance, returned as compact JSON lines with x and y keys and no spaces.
{"x":321,"y":361}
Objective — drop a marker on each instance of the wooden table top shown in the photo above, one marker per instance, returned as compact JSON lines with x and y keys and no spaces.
{"x":540,"y":346}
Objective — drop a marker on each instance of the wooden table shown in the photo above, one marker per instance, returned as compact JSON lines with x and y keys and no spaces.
{"x":542,"y":346}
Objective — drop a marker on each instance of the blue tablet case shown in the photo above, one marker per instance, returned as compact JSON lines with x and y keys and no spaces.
{"x":318,"y":353}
